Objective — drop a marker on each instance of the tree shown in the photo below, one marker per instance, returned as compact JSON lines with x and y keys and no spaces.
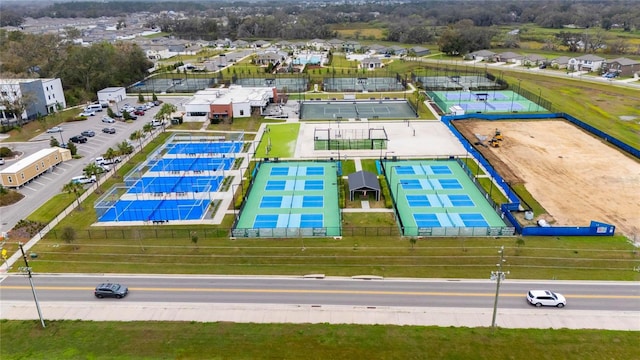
{"x":69,"y":235}
{"x":147,"y":128}
{"x":137,"y":135}
{"x":165,"y":112}
{"x":124,"y":148}
{"x":73,"y":188}
{"x":194,"y":238}
{"x":110,"y":153}
{"x":140,"y":97}
{"x":72,"y":148}
{"x":92,"y":169}
{"x":53,"y":142}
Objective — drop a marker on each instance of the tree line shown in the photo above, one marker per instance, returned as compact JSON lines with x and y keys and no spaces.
{"x":83,"y":70}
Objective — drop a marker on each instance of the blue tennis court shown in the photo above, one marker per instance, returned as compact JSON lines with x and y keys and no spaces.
{"x":178,"y":184}
{"x":155,"y":210}
{"x":294,"y":185}
{"x":430,"y":184}
{"x":423,"y":170}
{"x":460,"y":200}
{"x":272,"y":221}
{"x":223,"y":147}
{"x":449,"y":219}
{"x":297,"y":171}
{"x":288,"y":201}
{"x":193,"y":164}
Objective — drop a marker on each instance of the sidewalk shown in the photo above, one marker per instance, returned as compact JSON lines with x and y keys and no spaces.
{"x":316,"y":314}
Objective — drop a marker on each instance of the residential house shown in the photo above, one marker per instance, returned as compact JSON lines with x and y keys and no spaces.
{"x":587,"y":62}
{"x":622,"y":66}
{"x":260,"y":44}
{"x":533,"y":60}
{"x":396,"y":50}
{"x":561,"y":62}
{"x":481,"y":55}
{"x":351,"y":46}
{"x":318,"y":44}
{"x":240,"y":44}
{"x":419,"y":51}
{"x":335,"y":44}
{"x":509,"y":58}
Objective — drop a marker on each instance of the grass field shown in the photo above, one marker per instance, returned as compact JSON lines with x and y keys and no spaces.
{"x":192,"y":340}
{"x":283,"y":141}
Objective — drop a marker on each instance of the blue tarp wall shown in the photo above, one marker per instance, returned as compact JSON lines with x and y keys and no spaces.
{"x":594,"y":229}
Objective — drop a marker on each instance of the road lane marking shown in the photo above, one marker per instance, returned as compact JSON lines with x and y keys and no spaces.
{"x":310,"y":291}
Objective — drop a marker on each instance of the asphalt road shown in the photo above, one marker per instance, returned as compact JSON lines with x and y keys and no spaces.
{"x":596,"y":296}
{"x":44,"y":187}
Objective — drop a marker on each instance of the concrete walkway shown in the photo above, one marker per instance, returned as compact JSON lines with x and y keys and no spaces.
{"x":318,"y":314}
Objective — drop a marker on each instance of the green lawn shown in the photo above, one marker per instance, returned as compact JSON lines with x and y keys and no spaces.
{"x":194,"y":340}
{"x":283,"y":141}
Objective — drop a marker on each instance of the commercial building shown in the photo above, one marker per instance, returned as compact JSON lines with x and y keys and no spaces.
{"x":221,"y":104}
{"x":32,"y":166}
{"x":33,"y":96}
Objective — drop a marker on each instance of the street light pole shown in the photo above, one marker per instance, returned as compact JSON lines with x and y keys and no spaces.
{"x":498,"y":275}
{"x":27,"y":268}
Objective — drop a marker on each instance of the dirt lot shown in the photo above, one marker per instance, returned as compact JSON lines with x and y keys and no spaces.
{"x":573,"y":175}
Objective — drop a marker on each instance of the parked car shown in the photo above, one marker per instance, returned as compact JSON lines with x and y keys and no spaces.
{"x":543,"y":66}
{"x":102,"y":161}
{"x":78,"y":139}
{"x":55,"y":129}
{"x":133,"y":116}
{"x":156,"y":123}
{"x":546,"y":298}
{"x":109,"y":130}
{"x":107,"y":119}
{"x":1,"y":161}
{"x":83,"y":179}
{"x":117,"y":115}
{"x":88,"y":133}
{"x":111,"y":290}
{"x":139,"y":112}
{"x":157,"y":102}
{"x":87,"y":113}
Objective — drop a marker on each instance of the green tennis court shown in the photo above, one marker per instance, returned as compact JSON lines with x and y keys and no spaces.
{"x":435,"y":197}
{"x":291,"y":199}
{"x":485,"y":101}
{"x":351,"y":109}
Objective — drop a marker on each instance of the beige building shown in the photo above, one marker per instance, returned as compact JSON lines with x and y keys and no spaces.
{"x":32,"y":166}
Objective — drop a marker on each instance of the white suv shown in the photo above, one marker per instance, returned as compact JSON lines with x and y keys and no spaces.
{"x":545,"y":298}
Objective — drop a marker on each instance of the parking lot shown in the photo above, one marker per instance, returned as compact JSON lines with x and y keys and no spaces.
{"x":40,"y":190}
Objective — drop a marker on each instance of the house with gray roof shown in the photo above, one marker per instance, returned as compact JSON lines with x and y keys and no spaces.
{"x":420,"y":51}
{"x":533,"y":59}
{"x":560,"y":62}
{"x":622,"y":66}
{"x":588,"y":62}
{"x":509,"y":58}
{"x":481,"y":55}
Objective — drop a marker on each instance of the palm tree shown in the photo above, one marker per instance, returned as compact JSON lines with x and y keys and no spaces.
{"x":92,"y":169}
{"x":147,"y":128}
{"x":165,"y":112}
{"x":137,"y":135}
{"x":110,"y":153}
{"x":75,"y":188}
{"x":124,"y":148}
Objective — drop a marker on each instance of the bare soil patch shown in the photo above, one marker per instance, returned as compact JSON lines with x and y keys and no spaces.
{"x":575,"y":176}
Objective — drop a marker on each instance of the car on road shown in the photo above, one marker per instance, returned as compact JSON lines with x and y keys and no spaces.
{"x":54,"y":129}
{"x":88,"y":133}
{"x":108,"y":120}
{"x":110,"y":290}
{"x":109,"y":130}
{"x":87,"y":113}
{"x":546,"y":298}
{"x":78,"y":139}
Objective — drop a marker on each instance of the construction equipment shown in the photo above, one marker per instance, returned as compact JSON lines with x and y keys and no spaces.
{"x":498,"y":135}
{"x":494,"y":143}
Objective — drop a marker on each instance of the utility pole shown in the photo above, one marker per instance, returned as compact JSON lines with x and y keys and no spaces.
{"x":27,"y":268}
{"x":498,"y":275}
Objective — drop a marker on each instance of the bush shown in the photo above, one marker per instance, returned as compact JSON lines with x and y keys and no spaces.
{"x":5,"y":152}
